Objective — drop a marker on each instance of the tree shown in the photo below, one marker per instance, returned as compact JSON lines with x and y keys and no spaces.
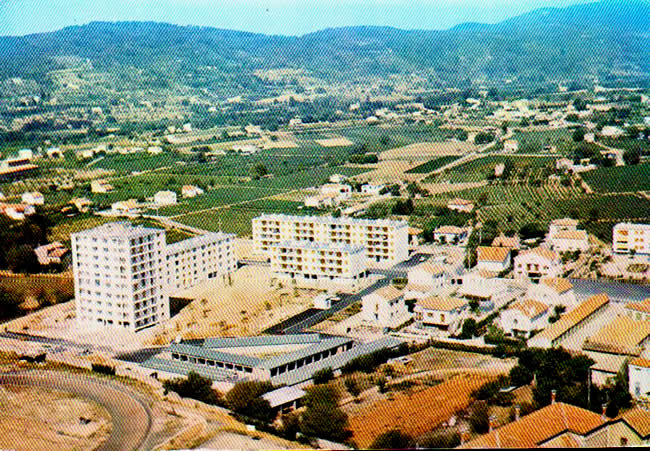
{"x":531,"y":230}
{"x":323,"y":376}
{"x":194,"y":386}
{"x":9,"y":305}
{"x":632,"y":156}
{"x":578,"y":135}
{"x":246,"y":399}
{"x":322,"y":416}
{"x":479,"y":419}
{"x":352,"y":386}
{"x":258,"y":170}
{"x":470,"y":328}
{"x":393,"y":439}
{"x":22,"y":259}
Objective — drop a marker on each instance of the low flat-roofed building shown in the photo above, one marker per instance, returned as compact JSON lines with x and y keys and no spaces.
{"x":522,"y":318}
{"x":126,"y":207}
{"x":17,"y":212}
{"x":163,"y":198}
{"x":623,"y":335}
{"x":562,"y":225}
{"x":33,"y":198}
{"x":284,"y":399}
{"x":423,"y":280}
{"x":100,"y":186}
{"x":570,"y":322}
{"x":385,"y":307}
{"x":445,"y":313}
{"x":188,"y":191}
{"x":493,"y":259}
{"x":282,"y":359}
{"x":82,"y":204}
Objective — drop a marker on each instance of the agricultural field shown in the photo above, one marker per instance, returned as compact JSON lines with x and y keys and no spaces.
{"x":619,"y":179}
{"x":533,"y":142}
{"x":480,"y":168}
{"x":432,"y":165}
{"x":415,"y":413}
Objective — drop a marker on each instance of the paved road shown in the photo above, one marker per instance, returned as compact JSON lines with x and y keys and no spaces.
{"x":131,"y":417}
{"x":306,"y":319}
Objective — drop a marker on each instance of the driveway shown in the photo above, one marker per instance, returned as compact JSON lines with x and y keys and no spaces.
{"x":130,"y":416}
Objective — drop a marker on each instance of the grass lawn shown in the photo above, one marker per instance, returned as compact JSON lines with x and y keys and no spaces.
{"x":619,"y":179}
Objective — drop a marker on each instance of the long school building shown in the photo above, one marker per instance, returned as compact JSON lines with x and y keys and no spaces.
{"x":385,"y":241}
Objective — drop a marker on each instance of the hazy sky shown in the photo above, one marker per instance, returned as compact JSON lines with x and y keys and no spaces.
{"x":289,"y":17}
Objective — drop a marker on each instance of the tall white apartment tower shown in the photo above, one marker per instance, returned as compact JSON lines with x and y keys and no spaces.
{"x":120,"y":277}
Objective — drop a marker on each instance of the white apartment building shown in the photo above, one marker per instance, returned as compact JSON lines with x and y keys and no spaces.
{"x":119,"y":277}
{"x":318,"y":263}
{"x":628,"y":237}
{"x":195,"y":260}
{"x":385,"y":241}
{"x":385,"y":307}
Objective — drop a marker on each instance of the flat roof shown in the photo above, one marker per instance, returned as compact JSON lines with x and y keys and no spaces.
{"x":211,"y":354}
{"x":283,"y":395}
{"x":261,"y":340}
{"x":289,"y":357}
{"x":119,"y":229}
{"x":183,"y":368}
{"x":199,"y":240}
{"x":333,"y":220}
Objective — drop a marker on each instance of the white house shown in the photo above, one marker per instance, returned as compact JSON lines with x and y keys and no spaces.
{"x":191,"y":191}
{"x":341,"y":190}
{"x":165,"y":198}
{"x":523,"y":317}
{"x":154,"y":150}
{"x":33,"y":198}
{"x":511,"y":242}
{"x":639,"y":378}
{"x":510,"y":146}
{"x":17,"y":212}
{"x":569,"y":241}
{"x":493,"y":259}
{"x":612,"y":132}
{"x":462,"y":205}
{"x":450,"y":234}
{"x":338,"y":178}
{"x":562,"y":225}
{"x":54,"y":152}
{"x":553,"y":291}
{"x":424,"y":280}
{"x":537,"y":263}
{"x":126,"y":207}
{"x":322,"y":201}
{"x":444,"y":313}
{"x":385,"y":307}
{"x":369,"y":188}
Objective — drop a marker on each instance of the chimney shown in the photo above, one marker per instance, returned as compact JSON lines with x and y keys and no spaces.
{"x":604,"y":414}
{"x":493,"y":420}
{"x":517,"y":412}
{"x":553,"y":395}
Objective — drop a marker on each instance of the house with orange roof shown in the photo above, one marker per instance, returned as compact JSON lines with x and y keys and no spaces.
{"x":561,"y":425}
{"x":17,"y":212}
{"x":493,"y":259}
{"x":443,"y":313}
{"x":524,"y":317}
{"x":553,"y":291}
{"x":511,"y":242}
{"x":571,"y":322}
{"x":385,"y":307}
{"x":462,"y":205}
{"x":537,"y":263}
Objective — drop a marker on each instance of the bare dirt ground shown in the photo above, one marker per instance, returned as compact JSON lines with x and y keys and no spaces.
{"x":232,"y":440}
{"x":241,"y":305}
{"x":441,"y":188}
{"x":338,"y":141}
{"x":38,"y":419}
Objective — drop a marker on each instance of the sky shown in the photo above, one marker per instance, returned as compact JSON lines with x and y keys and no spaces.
{"x":286,"y":17}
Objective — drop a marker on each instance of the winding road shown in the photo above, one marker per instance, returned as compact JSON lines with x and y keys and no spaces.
{"x":130,"y":416}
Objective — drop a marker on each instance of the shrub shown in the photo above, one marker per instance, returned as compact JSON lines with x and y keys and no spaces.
{"x":323,"y":376}
{"x":103,"y":369}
